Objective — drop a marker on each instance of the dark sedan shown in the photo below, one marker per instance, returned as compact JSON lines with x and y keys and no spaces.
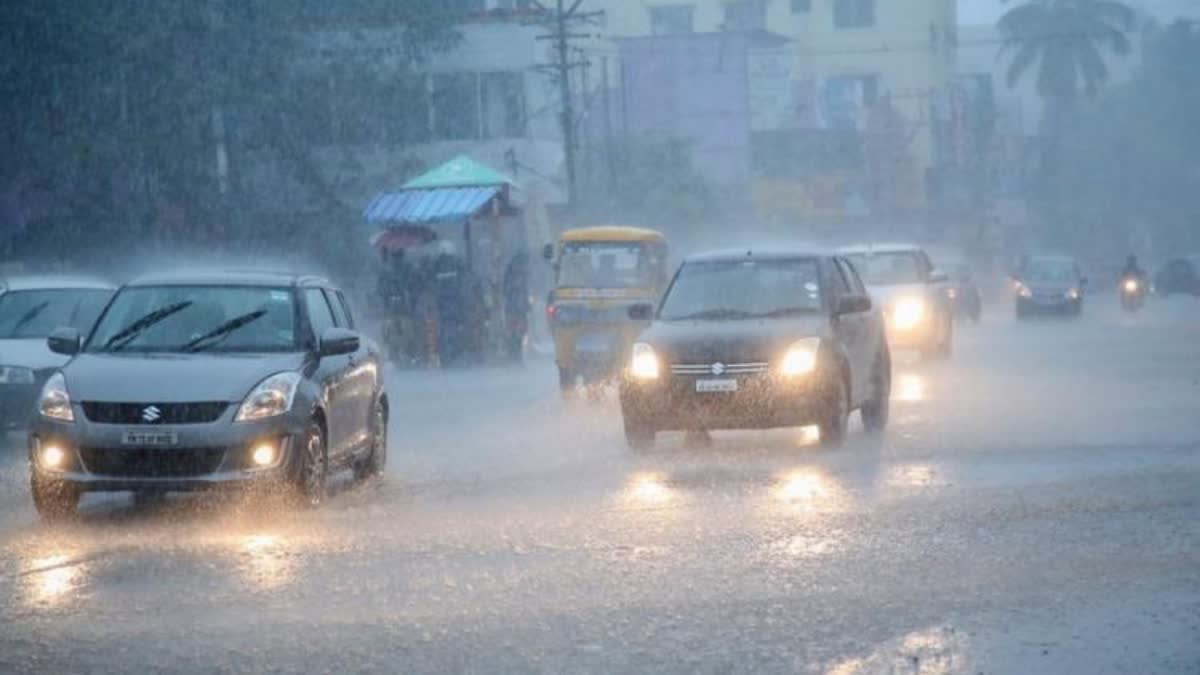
{"x":1050,"y":284}
{"x":747,"y":340}
{"x":31,"y":307}
{"x":1179,"y":275}
{"x":194,"y":382}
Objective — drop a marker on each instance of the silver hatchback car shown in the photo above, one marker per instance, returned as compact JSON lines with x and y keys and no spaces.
{"x":201,"y":381}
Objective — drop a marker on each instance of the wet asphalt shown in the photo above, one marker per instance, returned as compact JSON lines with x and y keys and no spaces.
{"x":1034,"y":507}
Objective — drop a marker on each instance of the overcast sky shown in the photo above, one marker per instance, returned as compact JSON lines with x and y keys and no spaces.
{"x":973,"y":12}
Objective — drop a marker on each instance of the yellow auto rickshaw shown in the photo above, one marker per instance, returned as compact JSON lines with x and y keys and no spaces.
{"x":600,"y":273}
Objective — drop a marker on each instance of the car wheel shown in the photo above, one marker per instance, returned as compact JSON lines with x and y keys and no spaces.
{"x":374,"y":464}
{"x":309,"y":488}
{"x":875,"y":412}
{"x":837,"y":411}
{"x":639,"y":435}
{"x":53,"y":499}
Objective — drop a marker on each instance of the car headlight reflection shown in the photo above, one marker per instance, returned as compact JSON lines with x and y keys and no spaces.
{"x":800,"y":358}
{"x":273,"y":396}
{"x":908,"y":313}
{"x":55,"y":402}
{"x":644,"y":364}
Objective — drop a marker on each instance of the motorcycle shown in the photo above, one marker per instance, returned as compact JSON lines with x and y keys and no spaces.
{"x":1133,"y":293}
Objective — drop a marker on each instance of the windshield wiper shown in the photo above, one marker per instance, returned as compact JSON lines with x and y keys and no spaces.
{"x":30,"y":315}
{"x":223,"y":331}
{"x":715,"y":314}
{"x":787,"y":311}
{"x":128,"y":333}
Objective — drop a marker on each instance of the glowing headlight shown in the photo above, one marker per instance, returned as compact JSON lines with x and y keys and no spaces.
{"x":908,"y":313}
{"x":1131,"y":285}
{"x":273,"y":396}
{"x":1073,"y":294}
{"x":644,"y":365}
{"x":953,"y":293}
{"x":801,"y":357}
{"x":52,"y":457}
{"x":1024,"y":291}
{"x":55,"y":402}
{"x":15,"y":375}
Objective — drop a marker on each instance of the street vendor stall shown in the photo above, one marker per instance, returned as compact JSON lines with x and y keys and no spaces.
{"x":447,"y":237}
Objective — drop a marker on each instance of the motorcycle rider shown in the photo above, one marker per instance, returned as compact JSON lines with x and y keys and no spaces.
{"x":1131,"y":269}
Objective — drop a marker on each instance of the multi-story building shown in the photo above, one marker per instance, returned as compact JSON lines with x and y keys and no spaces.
{"x":879,"y":68}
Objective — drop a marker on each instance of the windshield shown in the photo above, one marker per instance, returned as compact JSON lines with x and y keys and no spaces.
{"x":1050,"y":271}
{"x":198,"y":318}
{"x":604,"y":265}
{"x":35,"y":313}
{"x":886,"y":269}
{"x":743,"y":289}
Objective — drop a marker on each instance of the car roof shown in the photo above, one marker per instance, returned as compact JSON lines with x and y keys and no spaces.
{"x":734,"y":254}
{"x":31,"y":282}
{"x":229,"y":278}
{"x":860,"y":249}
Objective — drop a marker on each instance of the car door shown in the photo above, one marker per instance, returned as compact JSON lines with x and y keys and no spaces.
{"x":361,"y":378}
{"x":855,"y":327}
{"x":330,"y":375}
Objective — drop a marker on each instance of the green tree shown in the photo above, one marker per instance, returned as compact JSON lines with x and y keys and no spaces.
{"x":1063,"y":44}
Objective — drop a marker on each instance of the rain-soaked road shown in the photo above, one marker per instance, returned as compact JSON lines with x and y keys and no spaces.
{"x":1035,"y":507}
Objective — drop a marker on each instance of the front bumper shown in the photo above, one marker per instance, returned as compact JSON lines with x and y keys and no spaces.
{"x":1048,"y":303}
{"x":762,"y":401}
{"x":206,"y":456}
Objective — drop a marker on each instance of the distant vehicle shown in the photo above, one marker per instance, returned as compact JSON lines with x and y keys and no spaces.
{"x":754,"y":340}
{"x":198,"y":381}
{"x":1054,"y":284}
{"x":599,"y":273}
{"x":1179,"y":275}
{"x":1132,"y":290}
{"x":30,"y":308}
{"x":965,"y":298}
{"x":911,"y":293}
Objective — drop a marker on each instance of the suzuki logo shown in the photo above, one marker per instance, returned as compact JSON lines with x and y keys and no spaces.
{"x":718,"y":368}
{"x":151,"y":413}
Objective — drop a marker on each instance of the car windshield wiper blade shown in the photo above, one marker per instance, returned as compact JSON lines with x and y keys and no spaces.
{"x":787,"y":311}
{"x":30,"y":315}
{"x":128,"y":333}
{"x":224,"y":330}
{"x":717,"y":314}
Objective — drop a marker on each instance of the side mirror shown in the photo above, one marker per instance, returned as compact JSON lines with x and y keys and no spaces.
{"x":65,"y":341}
{"x":548,"y":252}
{"x":338,"y":341}
{"x":641,"y":312}
{"x":938,"y":277}
{"x":853,"y":304}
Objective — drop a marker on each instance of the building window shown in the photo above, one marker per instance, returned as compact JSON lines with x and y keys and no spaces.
{"x":801,"y":6}
{"x":853,"y":13}
{"x":503,"y":99}
{"x":671,"y":20}
{"x":746,"y":15}
{"x":455,"y":106}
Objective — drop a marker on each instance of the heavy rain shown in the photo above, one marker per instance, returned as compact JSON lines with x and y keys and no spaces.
{"x":809,"y":336}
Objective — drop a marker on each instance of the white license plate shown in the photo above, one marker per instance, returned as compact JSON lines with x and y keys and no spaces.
{"x":712,"y":386}
{"x":150,"y":438}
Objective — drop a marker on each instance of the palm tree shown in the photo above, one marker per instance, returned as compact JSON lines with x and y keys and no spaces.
{"x":1064,"y":42}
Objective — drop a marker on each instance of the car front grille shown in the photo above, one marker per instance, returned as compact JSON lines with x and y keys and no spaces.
{"x":718,"y":369}
{"x":154,"y":413}
{"x":151,"y":462}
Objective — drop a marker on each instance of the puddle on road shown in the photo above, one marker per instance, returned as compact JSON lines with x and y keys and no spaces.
{"x":52,"y":580}
{"x":933,"y":651}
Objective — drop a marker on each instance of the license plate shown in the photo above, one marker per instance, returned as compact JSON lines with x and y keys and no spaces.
{"x":150,"y":438}
{"x":716,"y":386}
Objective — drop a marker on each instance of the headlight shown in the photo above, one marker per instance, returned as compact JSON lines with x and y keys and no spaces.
{"x":15,"y":375}
{"x":952,"y":293}
{"x":1131,"y":285}
{"x":644,"y":365}
{"x":273,"y":396}
{"x":1073,"y":294}
{"x":1024,"y":291}
{"x":908,"y":313}
{"x":55,"y":402}
{"x":801,"y":357}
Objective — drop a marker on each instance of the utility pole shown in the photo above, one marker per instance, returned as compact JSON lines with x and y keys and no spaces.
{"x":561,"y":21}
